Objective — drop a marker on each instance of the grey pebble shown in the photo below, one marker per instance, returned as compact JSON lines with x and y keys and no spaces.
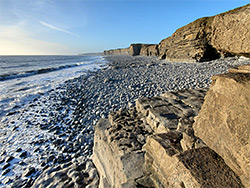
{"x":23,"y":154}
{"x":5,"y":171}
{"x":9,"y":158}
{"x":6,"y":166}
{"x":29,"y":171}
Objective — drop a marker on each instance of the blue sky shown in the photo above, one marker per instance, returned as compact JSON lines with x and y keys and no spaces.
{"x":47,"y":27}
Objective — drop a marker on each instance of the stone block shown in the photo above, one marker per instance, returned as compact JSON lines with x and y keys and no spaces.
{"x":223,"y":121}
{"x":170,"y":166}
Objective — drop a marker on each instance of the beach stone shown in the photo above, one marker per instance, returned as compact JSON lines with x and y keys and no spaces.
{"x":5,"y":166}
{"x":223,"y":122}
{"x":117,"y":94}
{"x":2,"y":160}
{"x":7,"y":181}
{"x":19,"y":150}
{"x":9,"y":158}
{"x":29,"y":171}
{"x":5,"y":171}
{"x":70,"y":175}
{"x":23,"y":154}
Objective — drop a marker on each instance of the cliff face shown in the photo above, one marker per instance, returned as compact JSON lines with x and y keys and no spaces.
{"x":134,"y":49}
{"x":207,"y":38}
{"x":121,"y":51}
{"x":189,"y":43}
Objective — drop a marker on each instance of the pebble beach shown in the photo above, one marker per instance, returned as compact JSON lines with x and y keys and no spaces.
{"x":55,"y":131}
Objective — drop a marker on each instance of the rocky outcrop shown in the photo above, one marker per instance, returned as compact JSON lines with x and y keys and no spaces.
{"x":223,"y":122}
{"x":118,"y":153}
{"x":170,"y":166}
{"x":207,"y":38}
{"x":153,"y":145}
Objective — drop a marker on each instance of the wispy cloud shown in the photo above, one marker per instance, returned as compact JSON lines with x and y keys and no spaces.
{"x":18,"y":42}
{"x":55,"y":28}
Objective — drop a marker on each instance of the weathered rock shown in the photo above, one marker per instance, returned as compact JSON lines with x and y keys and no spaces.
{"x":164,"y":114}
{"x":150,"y":50}
{"x":189,"y":43}
{"x":118,"y":153}
{"x":240,"y":69}
{"x":5,"y":166}
{"x":5,"y":171}
{"x":118,"y":142}
{"x":170,"y":166}
{"x":223,"y":122}
{"x":230,"y":31}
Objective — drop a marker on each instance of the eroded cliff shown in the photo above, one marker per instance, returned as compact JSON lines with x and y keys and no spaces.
{"x":207,"y":38}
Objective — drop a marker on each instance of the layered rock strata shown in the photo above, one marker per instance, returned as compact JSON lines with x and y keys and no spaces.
{"x":153,"y":145}
{"x":134,"y":49}
{"x":118,"y":153}
{"x":223,"y":122}
{"x":207,"y":38}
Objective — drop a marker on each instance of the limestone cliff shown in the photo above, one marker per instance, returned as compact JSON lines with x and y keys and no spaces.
{"x":210,"y":37}
{"x":134,"y":49}
{"x":207,"y":38}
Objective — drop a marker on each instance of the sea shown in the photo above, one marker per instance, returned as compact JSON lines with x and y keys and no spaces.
{"x":23,"y":78}
{"x":26,"y":81}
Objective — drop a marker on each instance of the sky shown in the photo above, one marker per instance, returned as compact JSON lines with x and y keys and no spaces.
{"x":71,"y":27}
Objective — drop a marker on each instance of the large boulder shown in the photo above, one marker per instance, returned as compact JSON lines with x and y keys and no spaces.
{"x":118,"y":154}
{"x":223,"y":122}
{"x":170,"y":166}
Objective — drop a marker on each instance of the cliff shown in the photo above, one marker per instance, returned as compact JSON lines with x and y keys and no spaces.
{"x":207,"y":38}
{"x":187,"y":138}
{"x":134,"y":49}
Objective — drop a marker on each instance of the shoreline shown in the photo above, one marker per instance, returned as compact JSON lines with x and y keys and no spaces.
{"x":84,"y":100}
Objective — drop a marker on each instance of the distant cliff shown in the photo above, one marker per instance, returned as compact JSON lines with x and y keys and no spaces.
{"x":134,"y":49}
{"x":207,"y":38}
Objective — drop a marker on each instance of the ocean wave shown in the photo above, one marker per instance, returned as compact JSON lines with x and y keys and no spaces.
{"x":10,"y":76}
